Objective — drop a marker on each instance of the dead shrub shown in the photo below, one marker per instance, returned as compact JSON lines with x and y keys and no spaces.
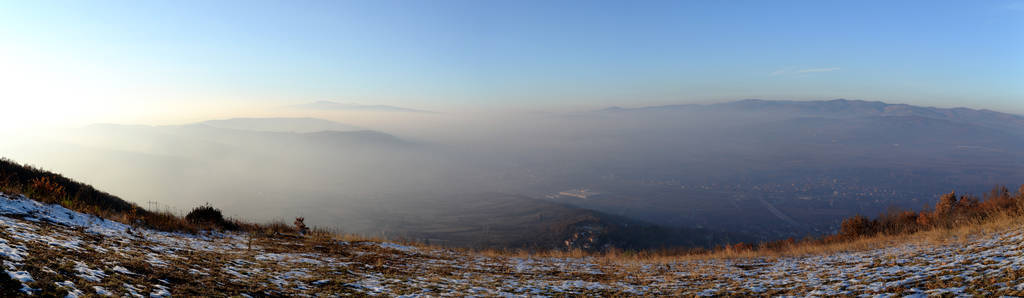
{"x":857,"y":226}
{"x":742,"y":247}
{"x":300,"y":225}
{"x":946,"y":205}
{"x":209,"y":216}
{"x":47,"y":189}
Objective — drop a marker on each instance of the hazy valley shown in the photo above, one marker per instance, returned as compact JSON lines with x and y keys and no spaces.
{"x":749,"y":170}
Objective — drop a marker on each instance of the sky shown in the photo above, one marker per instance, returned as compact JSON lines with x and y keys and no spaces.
{"x":175,"y":61}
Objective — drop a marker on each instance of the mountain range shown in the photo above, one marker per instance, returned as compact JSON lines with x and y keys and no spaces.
{"x":844,"y":108}
{"x":330,"y":105}
{"x":298,"y":125}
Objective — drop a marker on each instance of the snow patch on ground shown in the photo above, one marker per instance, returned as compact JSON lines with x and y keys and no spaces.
{"x":398,"y":247}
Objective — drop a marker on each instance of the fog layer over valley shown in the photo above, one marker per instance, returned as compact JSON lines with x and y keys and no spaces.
{"x":668,"y":175}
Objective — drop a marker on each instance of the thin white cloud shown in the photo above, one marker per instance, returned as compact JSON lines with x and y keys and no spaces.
{"x":793,"y":70}
{"x":827,"y":69}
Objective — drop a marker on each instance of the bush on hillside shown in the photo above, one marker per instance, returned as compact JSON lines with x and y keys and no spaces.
{"x":946,"y":205}
{"x":950,"y":211}
{"x":900,"y":222}
{"x":857,"y":226}
{"x":205,"y":214}
{"x":209,"y":216}
{"x":742,"y":246}
{"x":47,"y":188}
{"x":999,"y":198}
{"x":300,"y":225}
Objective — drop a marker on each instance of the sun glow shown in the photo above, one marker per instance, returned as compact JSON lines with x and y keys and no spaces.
{"x":36,"y":93}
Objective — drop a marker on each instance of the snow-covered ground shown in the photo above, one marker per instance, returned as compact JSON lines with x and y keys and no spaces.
{"x":48,"y":247}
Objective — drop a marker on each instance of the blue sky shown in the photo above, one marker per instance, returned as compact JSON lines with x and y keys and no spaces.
{"x":438,"y":54}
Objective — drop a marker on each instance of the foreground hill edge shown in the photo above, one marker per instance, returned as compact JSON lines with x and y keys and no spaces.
{"x":139,"y":258}
{"x":49,"y":250}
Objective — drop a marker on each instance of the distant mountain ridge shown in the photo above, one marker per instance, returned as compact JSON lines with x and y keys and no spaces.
{"x":845,"y":108}
{"x":330,"y":105}
{"x":229,"y":136}
{"x":296,"y":125}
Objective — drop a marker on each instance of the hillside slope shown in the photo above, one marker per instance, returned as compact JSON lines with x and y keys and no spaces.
{"x":507,"y":221}
{"x":47,"y":249}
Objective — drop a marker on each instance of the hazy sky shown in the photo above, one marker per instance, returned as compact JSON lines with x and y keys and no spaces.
{"x":137,"y":61}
